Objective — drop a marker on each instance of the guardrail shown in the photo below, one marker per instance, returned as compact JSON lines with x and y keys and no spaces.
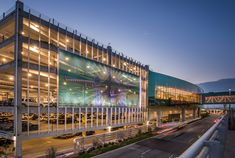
{"x":211,"y":144}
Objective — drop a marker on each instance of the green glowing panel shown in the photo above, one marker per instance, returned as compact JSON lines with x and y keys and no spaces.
{"x":83,"y":82}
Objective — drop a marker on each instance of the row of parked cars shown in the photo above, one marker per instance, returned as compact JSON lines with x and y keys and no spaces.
{"x":26,"y":102}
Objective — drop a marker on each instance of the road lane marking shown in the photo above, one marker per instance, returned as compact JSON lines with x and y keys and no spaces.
{"x":172,"y":156}
{"x":142,"y":154}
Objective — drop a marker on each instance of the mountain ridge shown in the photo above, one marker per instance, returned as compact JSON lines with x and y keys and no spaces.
{"x":221,"y":85}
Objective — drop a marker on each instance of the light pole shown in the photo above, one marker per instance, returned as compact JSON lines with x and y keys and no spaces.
{"x":229,"y":93}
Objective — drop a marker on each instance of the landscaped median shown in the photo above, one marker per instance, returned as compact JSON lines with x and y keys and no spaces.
{"x":121,"y":141}
{"x":93,"y":151}
{"x":95,"y":145}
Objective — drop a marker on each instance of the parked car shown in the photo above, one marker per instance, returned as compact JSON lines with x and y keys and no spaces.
{"x":88,"y":133}
{"x":29,"y":102}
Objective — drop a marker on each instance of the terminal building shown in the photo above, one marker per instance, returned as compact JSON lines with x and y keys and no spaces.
{"x":55,"y":80}
{"x":172,"y":99}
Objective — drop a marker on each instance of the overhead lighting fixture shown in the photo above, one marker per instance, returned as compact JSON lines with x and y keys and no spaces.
{"x":29,"y":74}
{"x":11,"y":78}
{"x":22,"y":32}
{"x":67,"y":59}
{"x":34,"y":49}
{"x":88,"y":66}
{"x":104,"y":59}
{"x":104,"y":72}
{"x":46,"y":85}
{"x":69,"y":70}
{"x":4,"y":59}
{"x":114,"y":77}
{"x":87,"y":52}
{"x":34,"y":27}
{"x":67,"y":40}
{"x":113,"y":65}
{"x":65,"y":83}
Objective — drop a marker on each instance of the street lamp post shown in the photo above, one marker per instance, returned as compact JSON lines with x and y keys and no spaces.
{"x":229,"y":93}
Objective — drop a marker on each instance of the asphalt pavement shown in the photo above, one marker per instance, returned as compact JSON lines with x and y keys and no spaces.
{"x":169,"y":146}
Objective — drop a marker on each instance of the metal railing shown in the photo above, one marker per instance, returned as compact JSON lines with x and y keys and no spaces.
{"x":84,"y":143}
{"x":211,"y":144}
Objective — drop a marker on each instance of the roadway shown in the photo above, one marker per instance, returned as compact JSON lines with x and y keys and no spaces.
{"x":172,"y":144}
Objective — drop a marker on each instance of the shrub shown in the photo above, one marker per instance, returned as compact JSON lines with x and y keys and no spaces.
{"x":51,"y":152}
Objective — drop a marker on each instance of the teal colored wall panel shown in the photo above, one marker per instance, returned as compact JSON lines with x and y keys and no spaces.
{"x":157,"y":79}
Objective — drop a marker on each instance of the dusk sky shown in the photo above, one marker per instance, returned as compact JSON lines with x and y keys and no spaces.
{"x":190,"y":39}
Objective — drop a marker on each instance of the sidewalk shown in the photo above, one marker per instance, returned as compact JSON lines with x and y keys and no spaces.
{"x":229,"y":151}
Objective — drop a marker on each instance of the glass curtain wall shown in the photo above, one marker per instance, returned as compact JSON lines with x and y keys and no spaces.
{"x":175,"y":94}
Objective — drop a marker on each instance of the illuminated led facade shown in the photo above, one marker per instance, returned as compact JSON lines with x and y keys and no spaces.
{"x":85,"y":82}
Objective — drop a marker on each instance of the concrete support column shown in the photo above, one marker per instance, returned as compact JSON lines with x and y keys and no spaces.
{"x":194,"y":113}
{"x":111,"y":116}
{"x":97,"y":117}
{"x":183,"y":114}
{"x":18,"y":81}
{"x":79,"y":118}
{"x":142,"y":115}
{"x":102,"y":116}
{"x":132,"y":115}
{"x":122,"y":115}
{"x":119,"y":111}
{"x":72,"y":118}
{"x":92,"y":117}
{"x":138,"y":114}
{"x":107,"y":116}
{"x":158,"y":119}
{"x":86,"y":117}
{"x":115,"y":115}
{"x":65,"y":120}
{"x":198,"y":112}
